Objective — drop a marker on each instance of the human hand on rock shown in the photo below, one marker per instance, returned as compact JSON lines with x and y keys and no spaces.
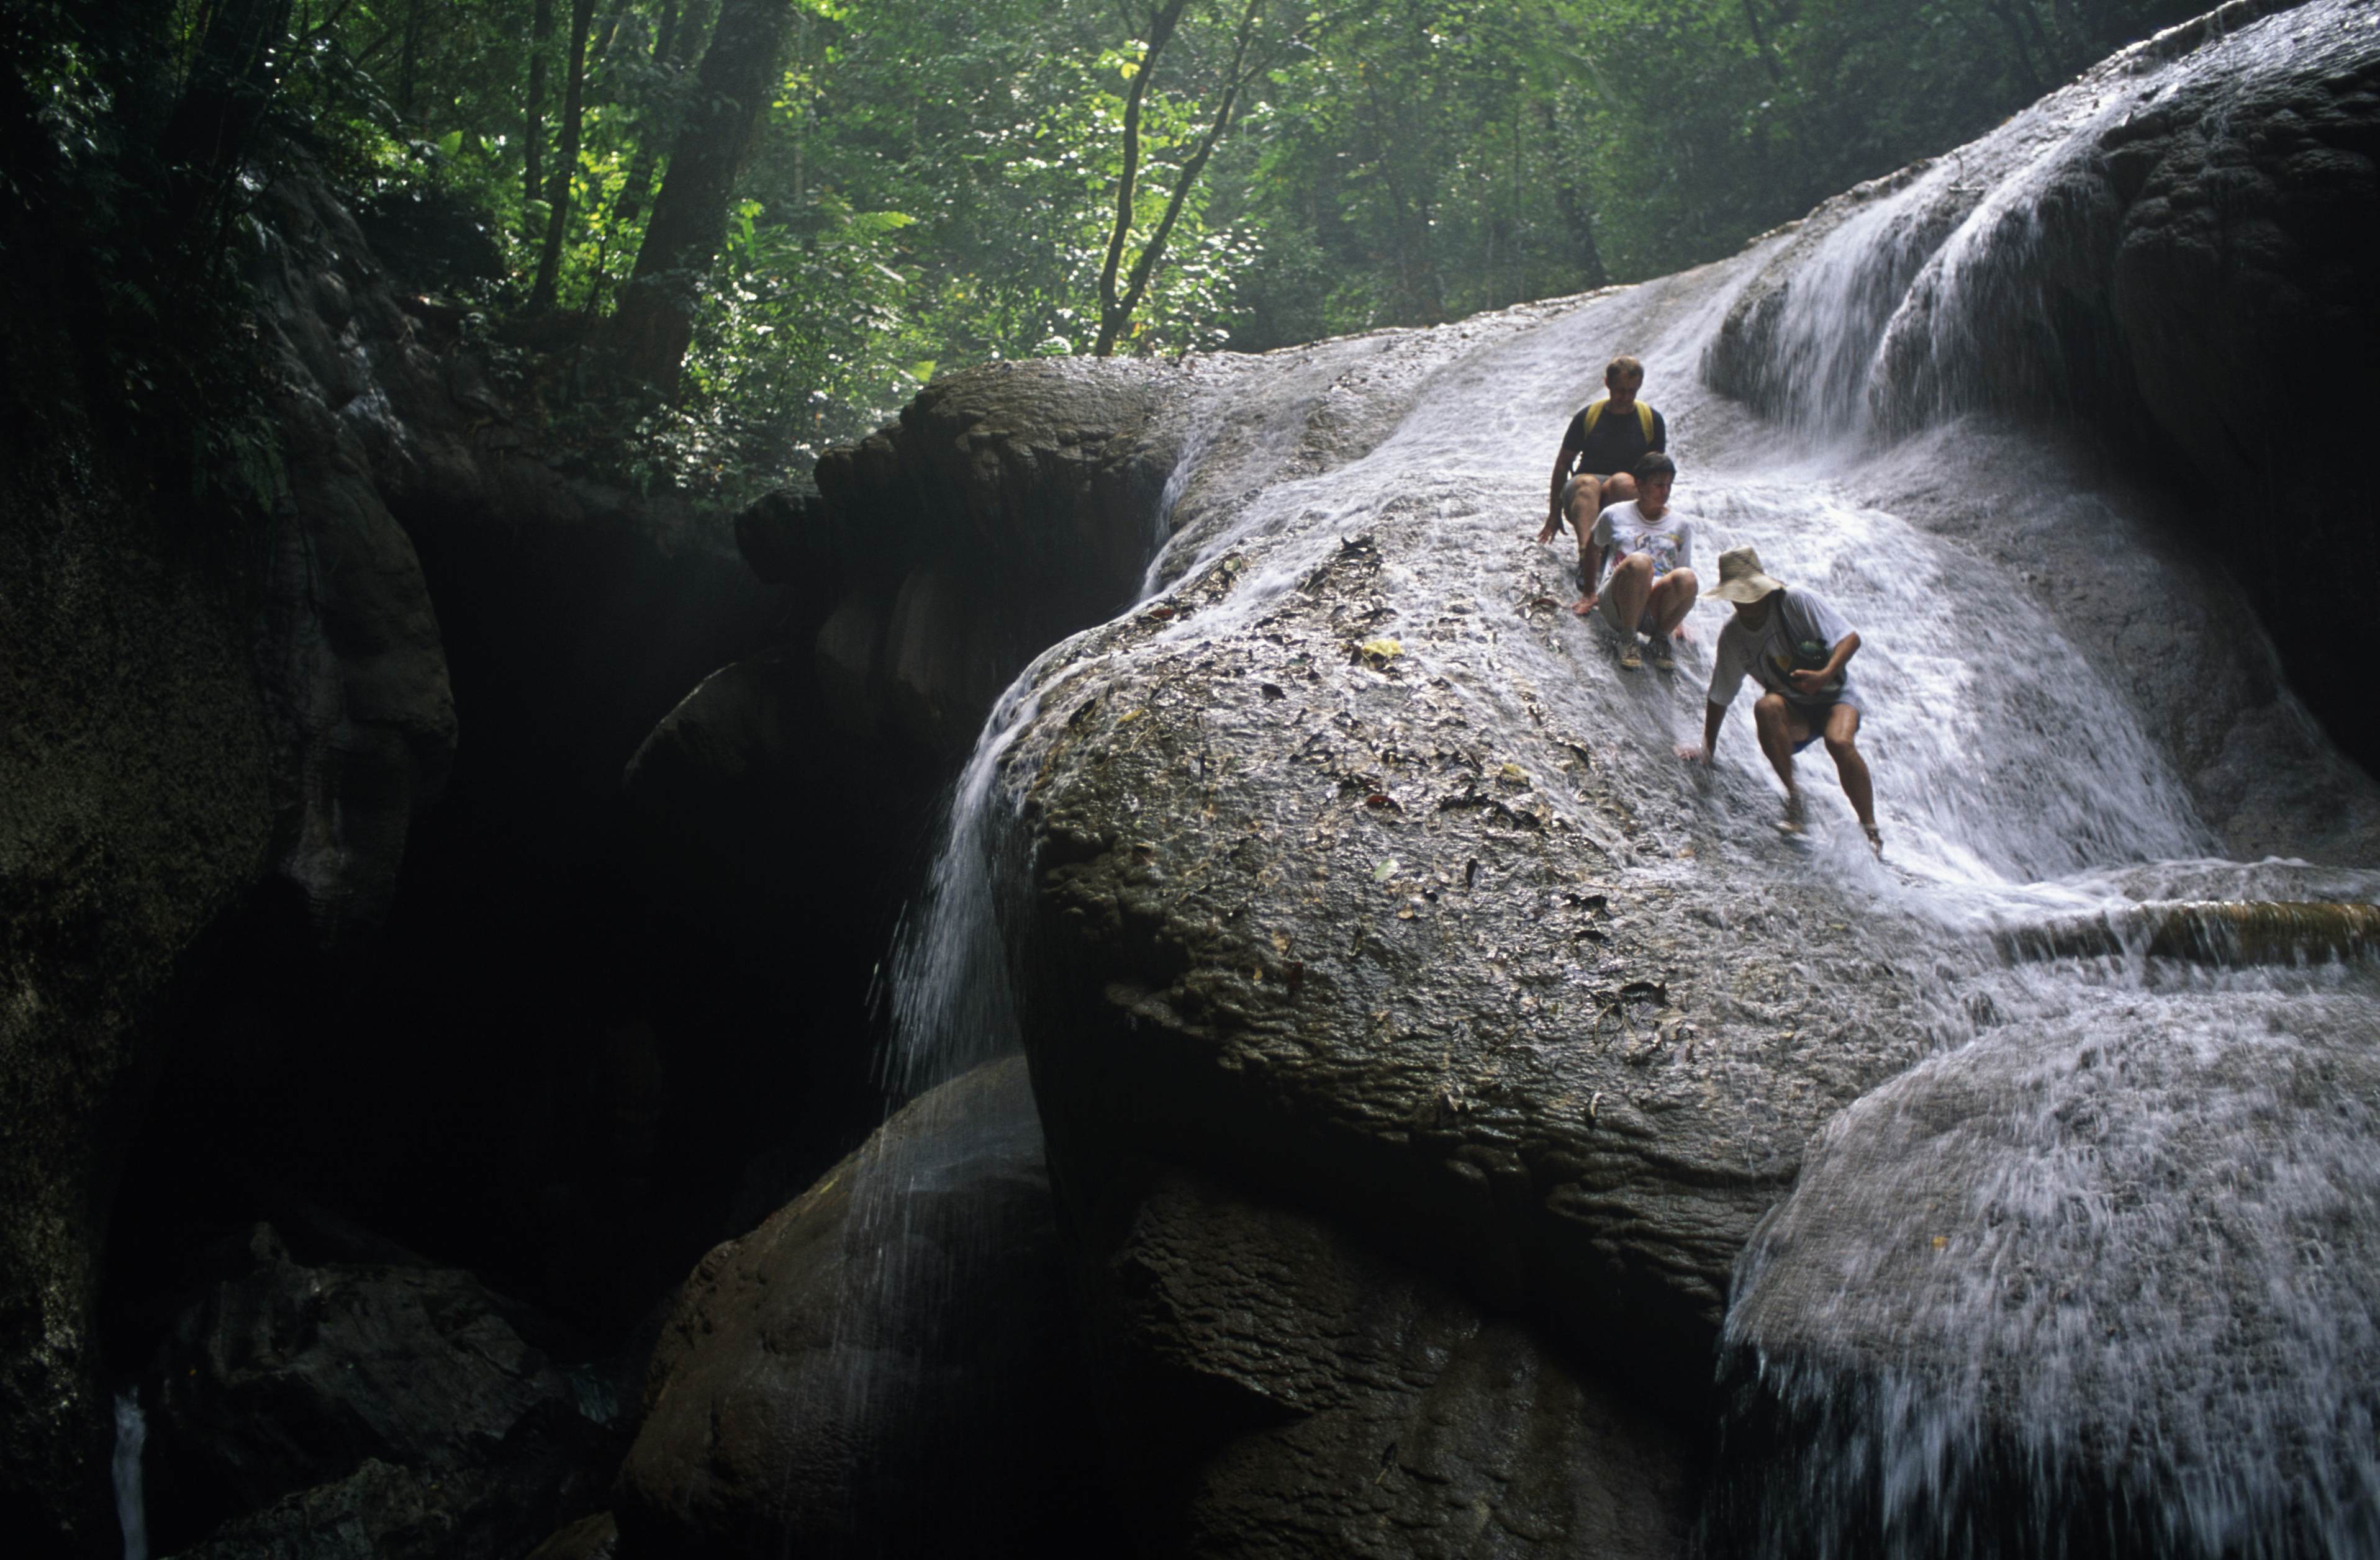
{"x":1545,"y":532}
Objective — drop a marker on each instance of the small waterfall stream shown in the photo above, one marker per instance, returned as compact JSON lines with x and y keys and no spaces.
{"x":2076,"y":1381}
{"x":131,"y":1500}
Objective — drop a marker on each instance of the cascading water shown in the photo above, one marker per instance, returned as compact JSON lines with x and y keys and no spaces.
{"x":1986,"y":1321}
{"x":131,"y":1500}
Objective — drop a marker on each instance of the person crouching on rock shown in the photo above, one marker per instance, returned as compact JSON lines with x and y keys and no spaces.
{"x":1599,"y":449}
{"x":1651,"y":588}
{"x":1798,"y":647}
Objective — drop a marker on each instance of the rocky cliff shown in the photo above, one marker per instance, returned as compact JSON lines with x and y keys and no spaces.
{"x":1357,"y":912}
{"x":1456,"y":1124}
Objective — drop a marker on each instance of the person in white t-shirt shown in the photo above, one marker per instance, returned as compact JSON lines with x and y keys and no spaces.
{"x":1799,"y":649}
{"x":1651,"y":548}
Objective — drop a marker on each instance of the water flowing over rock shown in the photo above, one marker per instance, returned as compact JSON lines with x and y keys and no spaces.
{"x":1349,"y":869}
{"x":2098,"y":1283}
{"x":2165,"y":251}
{"x":887,"y":1366}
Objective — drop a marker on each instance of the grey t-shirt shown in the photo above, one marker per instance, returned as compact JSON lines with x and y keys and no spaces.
{"x":1803,"y":630}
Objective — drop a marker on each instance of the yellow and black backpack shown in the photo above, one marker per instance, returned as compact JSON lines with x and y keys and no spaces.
{"x":1595,"y":414}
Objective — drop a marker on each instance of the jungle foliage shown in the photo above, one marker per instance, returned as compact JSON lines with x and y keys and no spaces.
{"x":787,"y":214}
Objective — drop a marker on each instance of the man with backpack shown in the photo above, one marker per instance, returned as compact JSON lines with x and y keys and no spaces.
{"x":1799,"y":649}
{"x":1599,"y":449}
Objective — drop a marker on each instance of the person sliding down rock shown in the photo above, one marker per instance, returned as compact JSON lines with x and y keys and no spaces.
{"x":1797,"y":646}
{"x":1650,"y":588}
{"x":1599,"y":449}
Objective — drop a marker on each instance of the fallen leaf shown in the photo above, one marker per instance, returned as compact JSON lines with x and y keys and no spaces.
{"x":1385,"y":871}
{"x":1383,"y":649}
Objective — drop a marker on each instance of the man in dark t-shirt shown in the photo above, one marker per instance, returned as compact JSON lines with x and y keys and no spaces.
{"x":1600,"y":448}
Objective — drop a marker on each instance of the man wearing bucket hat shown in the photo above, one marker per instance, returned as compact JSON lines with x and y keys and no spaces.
{"x":1798,"y":647}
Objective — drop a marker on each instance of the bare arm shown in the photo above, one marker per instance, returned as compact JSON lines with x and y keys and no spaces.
{"x":1563,"y":464}
{"x":1811,"y":681}
{"x":1590,"y":565}
{"x":1714,"y":716}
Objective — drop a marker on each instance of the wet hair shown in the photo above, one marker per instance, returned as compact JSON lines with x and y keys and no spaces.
{"x":1623,"y":367}
{"x":1652,"y":463}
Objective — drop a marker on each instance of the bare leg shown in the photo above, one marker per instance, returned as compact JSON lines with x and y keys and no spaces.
{"x":1585,"y":501}
{"x":1631,"y":587}
{"x":1780,"y":729}
{"x":1673,"y":597}
{"x":1842,"y":726}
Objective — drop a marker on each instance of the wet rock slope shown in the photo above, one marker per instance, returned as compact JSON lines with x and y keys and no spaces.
{"x":1348,"y":877}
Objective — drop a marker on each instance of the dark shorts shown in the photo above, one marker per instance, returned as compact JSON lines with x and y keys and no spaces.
{"x":1817,"y":716}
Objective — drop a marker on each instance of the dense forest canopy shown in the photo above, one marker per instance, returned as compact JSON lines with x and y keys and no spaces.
{"x":786,"y":214}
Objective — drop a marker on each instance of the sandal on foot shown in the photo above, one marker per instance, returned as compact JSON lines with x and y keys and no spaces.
{"x":1664,"y":658}
{"x":1875,"y":838}
{"x":1630,"y":660}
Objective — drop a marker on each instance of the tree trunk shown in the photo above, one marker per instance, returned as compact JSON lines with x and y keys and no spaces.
{"x":730,"y":99}
{"x":1161,"y":24}
{"x":540,"y":38}
{"x":565,"y":158}
{"x":1760,"y":42}
{"x":231,"y":82}
{"x":408,"y":60}
{"x":1113,"y":321}
{"x":671,"y":50}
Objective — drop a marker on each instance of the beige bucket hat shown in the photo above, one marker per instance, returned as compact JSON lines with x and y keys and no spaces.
{"x":1740,"y":578}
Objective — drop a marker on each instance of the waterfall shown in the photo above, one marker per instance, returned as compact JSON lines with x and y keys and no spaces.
{"x":1987,"y":1322}
{"x":131,"y":1505}
{"x":2005,"y":1309}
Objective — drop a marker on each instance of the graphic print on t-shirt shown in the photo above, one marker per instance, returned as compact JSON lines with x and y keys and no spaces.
{"x":1669,"y":541}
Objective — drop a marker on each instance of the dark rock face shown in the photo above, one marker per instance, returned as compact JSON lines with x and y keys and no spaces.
{"x":400,"y":1408}
{"x":2154,"y":253}
{"x":590,"y":1537}
{"x":1275,"y":1389}
{"x":455,"y":614}
{"x":887,"y":1366}
{"x":1006,"y":509}
{"x":134,"y":809}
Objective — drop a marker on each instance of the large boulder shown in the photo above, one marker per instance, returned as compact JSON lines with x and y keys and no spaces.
{"x":2099,"y":1283}
{"x":1276,"y":1389}
{"x":890,"y":1366}
{"x":408,"y":1407}
{"x":1349,"y":870}
{"x":1005,"y":510}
